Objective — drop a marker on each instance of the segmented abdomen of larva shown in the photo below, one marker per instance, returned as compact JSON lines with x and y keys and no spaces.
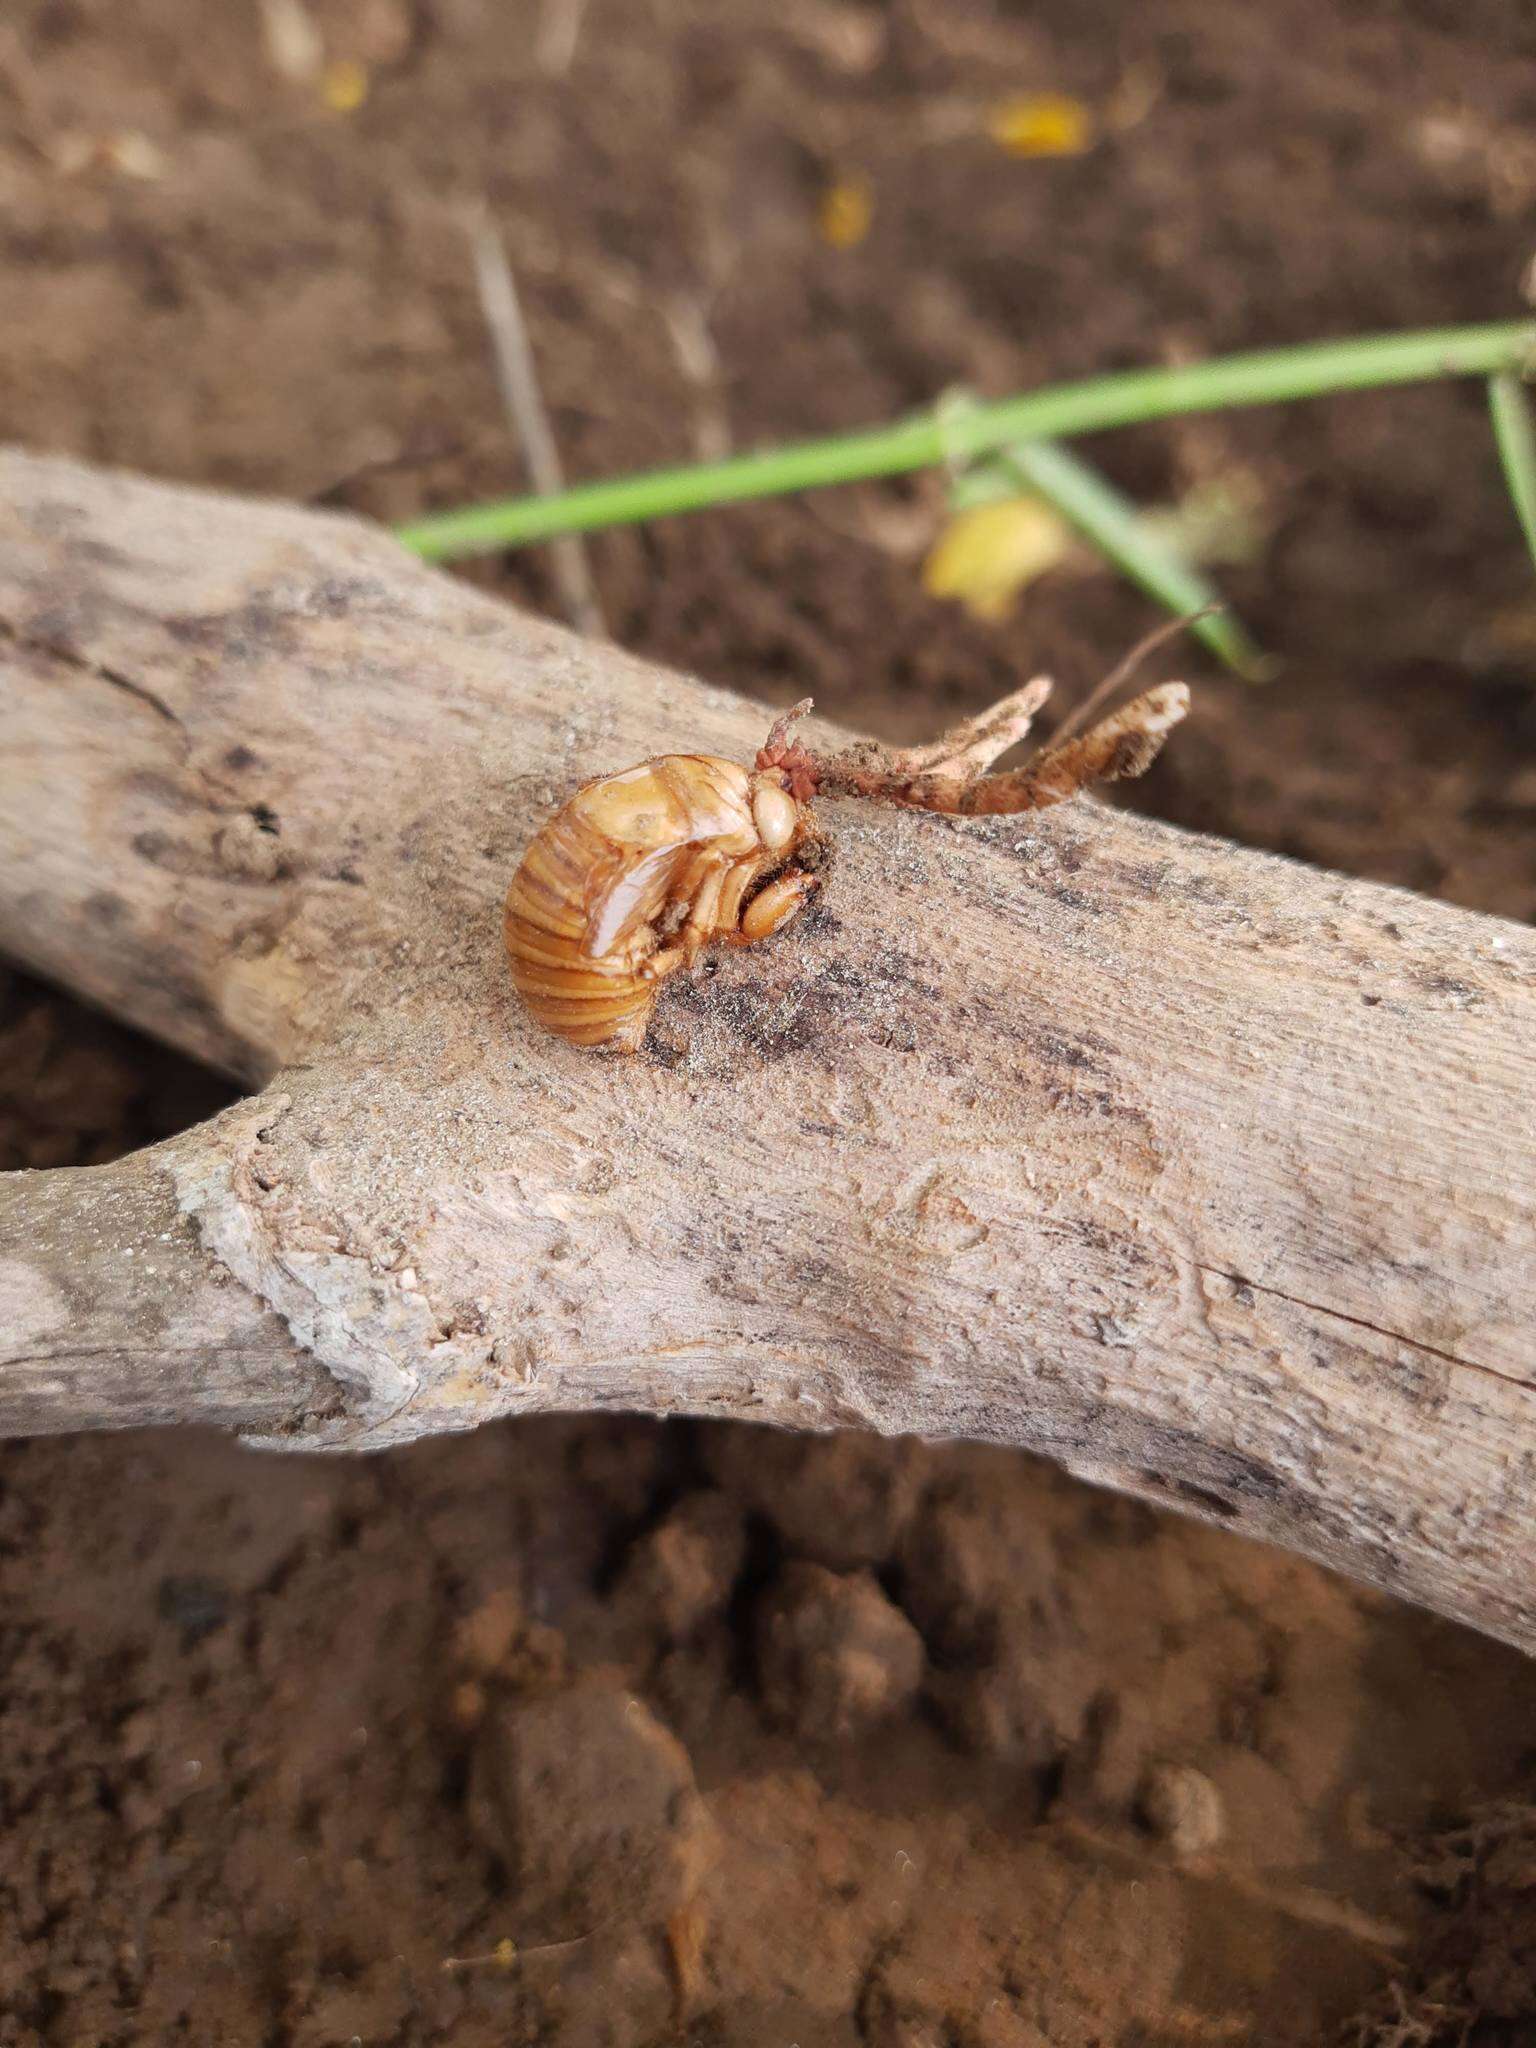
{"x":579,"y":877}
{"x":587,"y":1000}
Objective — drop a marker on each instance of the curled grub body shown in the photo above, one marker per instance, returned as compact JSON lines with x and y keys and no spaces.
{"x":640,"y":871}
{"x":632,"y":878}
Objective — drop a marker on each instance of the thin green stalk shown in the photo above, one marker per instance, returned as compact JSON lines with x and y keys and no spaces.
{"x":1510,"y":404}
{"x":1275,"y":376}
{"x":1091,"y":503}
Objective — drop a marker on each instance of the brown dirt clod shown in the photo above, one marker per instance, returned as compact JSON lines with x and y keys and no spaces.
{"x":834,"y":1657}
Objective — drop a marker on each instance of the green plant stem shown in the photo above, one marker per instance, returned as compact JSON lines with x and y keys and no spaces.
{"x":1275,"y":376}
{"x":1510,"y":404}
{"x":1089,"y":502}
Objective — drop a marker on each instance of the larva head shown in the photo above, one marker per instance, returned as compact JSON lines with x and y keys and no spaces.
{"x":780,"y":821}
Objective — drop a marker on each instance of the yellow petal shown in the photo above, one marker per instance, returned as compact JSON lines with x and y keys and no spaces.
{"x":1041,"y":124}
{"x":846,"y":210}
{"x":987,"y":555}
{"x":344,"y":86}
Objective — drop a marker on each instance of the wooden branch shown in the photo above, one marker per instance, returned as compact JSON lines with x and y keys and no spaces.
{"x":115,"y":1316}
{"x":1208,"y":1175}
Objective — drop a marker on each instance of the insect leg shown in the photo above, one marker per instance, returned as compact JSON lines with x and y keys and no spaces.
{"x":775,"y":905}
{"x":738,"y":880}
{"x":703,"y":919}
{"x":705,"y":879}
{"x":664,"y":961}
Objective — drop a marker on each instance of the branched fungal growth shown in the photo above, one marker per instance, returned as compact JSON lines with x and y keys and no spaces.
{"x":951,"y":774}
{"x":640,"y":871}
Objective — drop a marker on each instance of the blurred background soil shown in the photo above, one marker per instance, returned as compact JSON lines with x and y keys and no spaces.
{"x":601,"y":1731}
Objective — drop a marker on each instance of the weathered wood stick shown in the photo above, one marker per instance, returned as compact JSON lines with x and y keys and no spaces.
{"x":1208,"y":1175}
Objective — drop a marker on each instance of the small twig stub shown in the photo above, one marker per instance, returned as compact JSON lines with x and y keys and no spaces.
{"x":518,"y":376}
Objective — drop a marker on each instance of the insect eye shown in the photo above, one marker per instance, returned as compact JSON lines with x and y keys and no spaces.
{"x":774,"y":813}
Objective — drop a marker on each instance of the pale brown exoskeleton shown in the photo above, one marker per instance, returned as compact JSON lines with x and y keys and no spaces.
{"x":640,"y":871}
{"x":634,"y":877}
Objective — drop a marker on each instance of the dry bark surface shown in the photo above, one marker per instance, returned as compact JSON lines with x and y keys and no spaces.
{"x":1209,"y":1175}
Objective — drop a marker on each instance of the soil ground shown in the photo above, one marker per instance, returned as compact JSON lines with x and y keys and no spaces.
{"x":735,"y":1739}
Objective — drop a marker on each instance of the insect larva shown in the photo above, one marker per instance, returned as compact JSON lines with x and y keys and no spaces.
{"x":639,"y":871}
{"x":635,"y":875}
